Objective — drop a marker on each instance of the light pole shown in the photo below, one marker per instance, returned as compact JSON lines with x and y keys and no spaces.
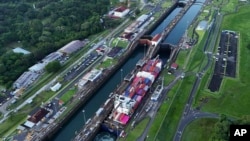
{"x":83,"y":111}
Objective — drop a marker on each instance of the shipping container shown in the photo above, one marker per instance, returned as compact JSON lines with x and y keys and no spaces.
{"x":138,"y":99}
{"x":126,"y":93}
{"x":147,"y":81}
{"x":131,"y":94}
{"x":135,"y":97}
{"x":121,"y":117}
{"x":145,"y":88}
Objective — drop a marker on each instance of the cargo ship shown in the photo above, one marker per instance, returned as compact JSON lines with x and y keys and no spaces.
{"x":126,"y":102}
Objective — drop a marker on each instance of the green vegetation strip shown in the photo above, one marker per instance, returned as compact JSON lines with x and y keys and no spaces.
{"x":234,"y":94}
{"x":162,"y":113}
{"x":137,"y":131}
{"x":170,"y":123}
{"x":199,"y":130}
{"x":68,"y":95}
{"x":11,"y":123}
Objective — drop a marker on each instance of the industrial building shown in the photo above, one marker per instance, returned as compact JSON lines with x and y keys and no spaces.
{"x":39,"y":67}
{"x":72,"y":47}
{"x":156,"y":40}
{"x":121,"y":11}
{"x":203,"y":25}
{"x":91,"y":76}
{"x":20,"y":50}
{"x":25,"y":79}
{"x":36,"y":117}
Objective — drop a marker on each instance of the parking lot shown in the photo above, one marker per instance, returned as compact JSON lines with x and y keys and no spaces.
{"x":226,"y":58}
{"x":81,"y":66}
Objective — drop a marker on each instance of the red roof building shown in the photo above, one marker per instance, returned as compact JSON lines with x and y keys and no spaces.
{"x":156,"y":39}
{"x":174,"y":66}
{"x":121,"y":11}
{"x":37,"y":116}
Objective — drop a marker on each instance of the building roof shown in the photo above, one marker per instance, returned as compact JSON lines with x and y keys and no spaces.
{"x":202,"y":25}
{"x":26,"y":79}
{"x":41,"y":113}
{"x":72,"y":46}
{"x":120,"y":9}
{"x":52,"y":57}
{"x":20,"y":50}
{"x":174,"y":66}
{"x":29,"y":124}
{"x":37,"y":67}
{"x":142,"y":18}
{"x":56,"y":87}
{"x":92,"y":75}
{"x":156,"y":37}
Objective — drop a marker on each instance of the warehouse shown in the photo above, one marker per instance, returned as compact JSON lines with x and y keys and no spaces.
{"x":25,"y":79}
{"x":72,"y":47}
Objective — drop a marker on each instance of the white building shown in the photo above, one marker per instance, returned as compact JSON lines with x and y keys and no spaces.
{"x":121,"y":11}
{"x":203,"y":25}
{"x":56,"y":87}
{"x":156,"y":39}
{"x":20,"y":50}
{"x":38,"y":68}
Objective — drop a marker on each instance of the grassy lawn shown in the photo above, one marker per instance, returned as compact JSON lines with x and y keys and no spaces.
{"x":119,"y":43}
{"x":170,"y":122}
{"x":137,"y":131}
{"x":199,"y":130}
{"x":163,"y":113}
{"x":107,"y":63}
{"x":114,"y":42}
{"x":68,"y":95}
{"x":197,"y":55}
{"x":122,"y":43}
{"x":234,"y":95}
{"x":1,"y":115}
{"x":229,"y":7}
{"x":181,"y":58}
{"x":11,"y":123}
{"x":166,"y":4}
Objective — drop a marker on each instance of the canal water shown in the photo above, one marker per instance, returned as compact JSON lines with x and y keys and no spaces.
{"x":68,"y":131}
{"x":178,"y":31}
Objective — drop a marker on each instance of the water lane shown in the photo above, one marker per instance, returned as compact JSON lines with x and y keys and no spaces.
{"x":68,"y":131}
{"x":166,"y":21}
{"x":176,"y":34}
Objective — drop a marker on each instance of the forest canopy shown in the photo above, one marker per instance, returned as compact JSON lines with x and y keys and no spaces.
{"x":43,"y":26}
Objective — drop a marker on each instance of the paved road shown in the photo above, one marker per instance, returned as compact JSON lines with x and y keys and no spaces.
{"x":156,"y":106}
{"x":186,"y":120}
{"x":190,"y":114}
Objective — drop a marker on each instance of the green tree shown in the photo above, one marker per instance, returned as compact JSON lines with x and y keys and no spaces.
{"x":221,"y":131}
{"x":53,"y":66}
